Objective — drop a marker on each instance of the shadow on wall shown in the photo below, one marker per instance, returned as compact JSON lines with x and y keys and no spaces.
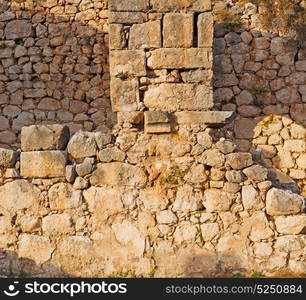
{"x":262,"y":77}
{"x":54,"y":66}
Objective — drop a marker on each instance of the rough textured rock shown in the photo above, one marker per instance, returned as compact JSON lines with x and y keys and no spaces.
{"x":43,"y":164}
{"x":18,"y":29}
{"x":118,"y":174}
{"x":291,"y":224}
{"x":7,"y":158}
{"x":239,"y":160}
{"x":217,"y":201}
{"x":283,"y":202}
{"x":153,"y":200}
{"x":44,"y":137}
{"x":82,"y":144}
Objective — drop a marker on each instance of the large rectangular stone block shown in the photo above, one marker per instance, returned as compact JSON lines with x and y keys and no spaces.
{"x":124,"y":94}
{"x":125,"y":63}
{"x":145,"y":36}
{"x":179,"y":58}
{"x":173,"y":97}
{"x":205,"y":30}
{"x":44,"y":137}
{"x":204,"y":117}
{"x":127,"y":17}
{"x":178,"y":30}
{"x":43,"y":164}
{"x":128,"y":5}
{"x":177,"y":5}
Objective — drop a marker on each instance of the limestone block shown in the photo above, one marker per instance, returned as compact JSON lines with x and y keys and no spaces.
{"x":57,"y":224}
{"x":250,"y":198}
{"x":173,"y":97}
{"x":213,"y":158}
{"x":111,"y":154}
{"x":166,"y":217}
{"x":124,"y":94}
{"x":283,"y":202}
{"x":127,"y":17}
{"x":178,"y":30}
{"x":209,"y":231}
{"x":103,"y":202}
{"x":36,"y":248}
{"x":187,"y":200}
{"x":157,"y":122}
{"x":295,"y":145}
{"x":43,"y":164}
{"x":19,"y":195}
{"x":234,"y":176}
{"x":291,"y":224}
{"x":44,"y":137}
{"x":145,"y":36}
{"x":177,"y":5}
{"x":256,"y":173}
{"x":117,"y":173}
{"x":128,"y":5}
{"x":18,"y":29}
{"x":216,"y":200}
{"x":205,"y":30}
{"x":213,"y":118}
{"x":127,"y":63}
{"x":82,"y":144}
{"x":62,"y":196}
{"x":102,"y":139}
{"x":180,"y":58}
{"x":153,"y":200}
{"x":5,"y":224}
{"x":7,"y":158}
{"x":117,"y":40}
{"x":239,"y":160}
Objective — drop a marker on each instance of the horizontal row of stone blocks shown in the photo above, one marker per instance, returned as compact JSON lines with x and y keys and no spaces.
{"x":160,"y":5}
{"x":175,"y":30}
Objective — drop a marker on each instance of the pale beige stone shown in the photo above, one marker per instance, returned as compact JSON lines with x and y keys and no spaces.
{"x":57,"y":224}
{"x":43,"y":164}
{"x":117,"y":40}
{"x":213,"y":158}
{"x":187,"y":200}
{"x":239,"y":160}
{"x":205,"y":30}
{"x":153,"y":200}
{"x":205,"y":117}
{"x":180,"y":58}
{"x":251,"y":198}
{"x":209,"y":231}
{"x":173,"y":97}
{"x":291,"y":224}
{"x":7,"y":158}
{"x":34,"y":247}
{"x":185,"y":232}
{"x":129,"y":5}
{"x":82,"y":144}
{"x":216,"y":200}
{"x":166,"y":217}
{"x":173,"y":5}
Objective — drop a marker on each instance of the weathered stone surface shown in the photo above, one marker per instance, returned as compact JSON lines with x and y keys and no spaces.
{"x":127,"y":17}
{"x":283,"y":202}
{"x":18,"y":195}
{"x":166,"y":217}
{"x":295,"y":145}
{"x":127,"y":63}
{"x":7,"y":158}
{"x":256,"y":173}
{"x":243,"y":128}
{"x":118,"y":174}
{"x":157,"y":122}
{"x":5,"y":224}
{"x":82,"y":144}
{"x":103,"y":202}
{"x":34,"y":247}
{"x":179,"y":58}
{"x":128,"y":5}
{"x":62,"y":196}
{"x":250,"y":198}
{"x":186,"y":200}
{"x":209,"y":231}
{"x":176,"y":5}
{"x":239,"y":160}
{"x":18,"y":29}
{"x":205,"y":30}
{"x":185,"y":232}
{"x":145,"y":36}
{"x":153,"y":200}
{"x":291,"y":224}
{"x":111,"y":154}
{"x":102,"y":139}
{"x":216,"y":200}
{"x":44,"y":137}
{"x":118,"y":40}
{"x":213,"y":158}
{"x":43,"y":164}
{"x":57,"y":224}
{"x":70,"y":173}
{"x":234,"y":176}
{"x":206,"y":117}
{"x":125,"y":94}
{"x":173,"y":38}
{"x":172,"y":97}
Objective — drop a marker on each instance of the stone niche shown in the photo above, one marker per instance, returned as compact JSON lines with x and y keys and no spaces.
{"x":161,"y":62}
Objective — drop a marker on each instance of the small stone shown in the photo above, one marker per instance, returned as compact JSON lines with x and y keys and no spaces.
{"x":217,"y":201}
{"x":166,"y":217}
{"x":234,"y":176}
{"x":209,"y":231}
{"x":7,"y":158}
{"x":80,"y":183}
{"x":18,"y":29}
{"x":84,"y":168}
{"x":225,"y":146}
{"x":57,"y":224}
{"x":291,"y":224}
{"x":250,"y":198}
{"x":256,"y":173}
{"x":239,"y":160}
{"x":70,"y":173}
{"x":102,"y":139}
{"x":111,"y":154}
{"x":82,"y":144}
{"x":213,"y":158}
{"x":186,"y":200}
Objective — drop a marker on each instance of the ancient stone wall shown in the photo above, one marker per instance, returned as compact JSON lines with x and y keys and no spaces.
{"x":177,"y":188}
{"x":54,"y":66}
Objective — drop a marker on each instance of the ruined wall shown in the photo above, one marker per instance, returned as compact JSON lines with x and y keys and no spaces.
{"x":54,"y":66}
{"x":167,"y":192}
